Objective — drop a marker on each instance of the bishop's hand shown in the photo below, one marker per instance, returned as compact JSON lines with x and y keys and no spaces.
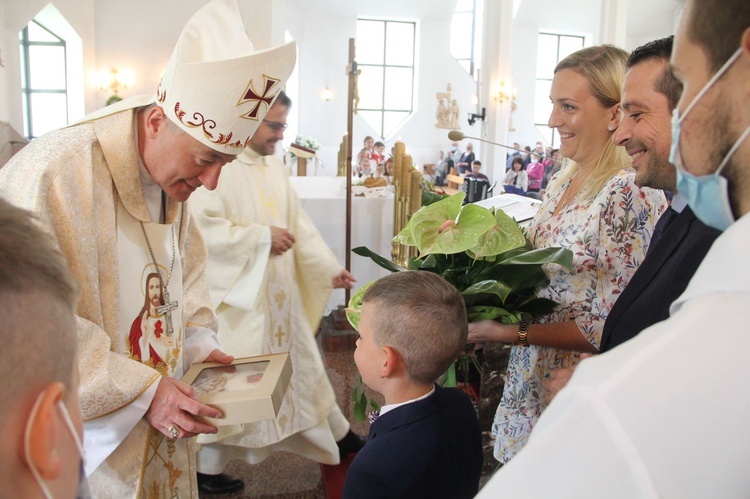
{"x":173,"y":410}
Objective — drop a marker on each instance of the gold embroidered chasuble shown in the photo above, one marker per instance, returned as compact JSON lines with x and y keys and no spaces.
{"x":253,"y":194}
{"x":82,"y":181}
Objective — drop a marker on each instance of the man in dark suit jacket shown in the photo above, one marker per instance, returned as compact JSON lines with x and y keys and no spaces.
{"x":661,"y":278}
{"x":430,"y":448}
{"x":680,"y":240}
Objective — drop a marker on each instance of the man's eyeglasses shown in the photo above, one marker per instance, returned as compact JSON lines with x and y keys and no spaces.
{"x":275,"y":125}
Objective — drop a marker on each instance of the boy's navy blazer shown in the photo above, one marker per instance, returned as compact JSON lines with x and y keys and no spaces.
{"x":431,"y":448}
{"x":660,"y":280}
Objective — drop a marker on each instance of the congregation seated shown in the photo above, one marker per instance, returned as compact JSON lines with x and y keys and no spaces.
{"x":516,"y":179}
{"x":535,"y":172}
{"x":476,"y":166}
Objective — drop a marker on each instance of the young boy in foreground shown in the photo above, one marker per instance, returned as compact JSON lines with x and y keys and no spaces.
{"x":426,"y":441}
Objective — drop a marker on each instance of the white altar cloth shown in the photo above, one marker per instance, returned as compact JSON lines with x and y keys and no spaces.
{"x":324,"y":200}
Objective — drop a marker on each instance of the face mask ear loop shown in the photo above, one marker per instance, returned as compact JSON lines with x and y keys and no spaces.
{"x":710,"y":82}
{"x":27,"y":446}
{"x":732,"y":150}
{"x":72,"y":428}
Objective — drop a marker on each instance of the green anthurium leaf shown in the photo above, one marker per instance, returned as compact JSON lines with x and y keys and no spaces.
{"x":506,"y":235}
{"x":497,"y":288}
{"x":354,"y":309}
{"x":454,"y":237}
{"x":414,"y":263}
{"x":487,"y":313}
{"x":404,"y":237}
{"x":429,"y":263}
{"x":430,"y":219}
{"x":560,"y":256}
{"x":535,"y":306}
{"x":383,"y":262}
{"x":516,"y":277}
{"x":449,"y":378}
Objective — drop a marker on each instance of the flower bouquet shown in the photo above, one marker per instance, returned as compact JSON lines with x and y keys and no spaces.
{"x":308,"y":142}
{"x":483,"y":253}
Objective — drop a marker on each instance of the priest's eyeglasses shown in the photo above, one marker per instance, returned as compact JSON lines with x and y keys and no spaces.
{"x":275,"y":125}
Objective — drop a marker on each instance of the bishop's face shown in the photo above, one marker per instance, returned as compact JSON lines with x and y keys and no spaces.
{"x":177,"y":162}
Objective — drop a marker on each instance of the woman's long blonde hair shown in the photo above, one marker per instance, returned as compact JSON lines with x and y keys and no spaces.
{"x":604,"y":67}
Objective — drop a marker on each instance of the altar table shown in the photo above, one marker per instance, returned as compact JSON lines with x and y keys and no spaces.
{"x":324,"y":200}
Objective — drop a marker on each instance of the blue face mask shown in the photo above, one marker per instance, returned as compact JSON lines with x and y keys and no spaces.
{"x":707,"y":195}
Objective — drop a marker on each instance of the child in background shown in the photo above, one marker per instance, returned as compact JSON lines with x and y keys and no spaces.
{"x":426,"y":442}
{"x":379,"y":153}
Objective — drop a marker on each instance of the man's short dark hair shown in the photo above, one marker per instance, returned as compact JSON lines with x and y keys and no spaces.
{"x":717,"y":26}
{"x":283,"y":99}
{"x":660,"y":49}
{"x":476,"y":162}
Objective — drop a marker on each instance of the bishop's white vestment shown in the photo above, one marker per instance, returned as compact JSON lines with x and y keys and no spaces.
{"x":269,"y":304}
{"x":86,"y":184}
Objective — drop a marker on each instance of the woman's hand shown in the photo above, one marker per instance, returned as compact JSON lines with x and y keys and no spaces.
{"x":482,"y":331}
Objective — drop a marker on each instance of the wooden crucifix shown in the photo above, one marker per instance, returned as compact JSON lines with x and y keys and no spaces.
{"x":351,"y":70}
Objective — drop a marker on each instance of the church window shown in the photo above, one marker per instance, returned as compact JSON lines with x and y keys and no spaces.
{"x":43,"y":79}
{"x":466,"y":35}
{"x":386,"y":54}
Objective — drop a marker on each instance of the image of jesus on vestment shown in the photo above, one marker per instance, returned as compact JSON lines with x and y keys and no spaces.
{"x":148,"y":341}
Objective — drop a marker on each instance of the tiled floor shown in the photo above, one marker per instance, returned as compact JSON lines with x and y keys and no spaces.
{"x":287,"y":476}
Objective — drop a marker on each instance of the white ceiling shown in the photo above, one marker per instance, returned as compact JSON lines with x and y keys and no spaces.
{"x":644,"y":18}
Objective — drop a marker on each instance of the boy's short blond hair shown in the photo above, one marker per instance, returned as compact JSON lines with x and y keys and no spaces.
{"x":423,"y":318}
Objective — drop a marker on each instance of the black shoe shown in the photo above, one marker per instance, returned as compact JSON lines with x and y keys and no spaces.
{"x":219,"y":484}
{"x":349,"y":444}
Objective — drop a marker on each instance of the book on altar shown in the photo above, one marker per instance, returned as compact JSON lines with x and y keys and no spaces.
{"x":247,"y":390}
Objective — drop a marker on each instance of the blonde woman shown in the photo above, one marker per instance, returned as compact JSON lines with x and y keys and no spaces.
{"x":593,"y":207}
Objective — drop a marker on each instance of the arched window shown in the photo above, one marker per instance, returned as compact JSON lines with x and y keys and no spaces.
{"x":466,"y":35}
{"x":43,"y":80}
{"x":386,"y":56}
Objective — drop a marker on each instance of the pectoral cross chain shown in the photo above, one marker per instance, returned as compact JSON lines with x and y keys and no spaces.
{"x":166,"y":309}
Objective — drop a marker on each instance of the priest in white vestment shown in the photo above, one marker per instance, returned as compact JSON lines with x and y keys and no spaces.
{"x":112,"y":191}
{"x":270,"y":274}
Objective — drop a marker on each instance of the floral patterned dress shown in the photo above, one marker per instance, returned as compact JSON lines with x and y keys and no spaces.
{"x":609,"y":236}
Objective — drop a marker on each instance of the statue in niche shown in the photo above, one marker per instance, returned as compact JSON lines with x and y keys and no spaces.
{"x":455,"y":112}
{"x":447,"y":110}
{"x":442,"y":114}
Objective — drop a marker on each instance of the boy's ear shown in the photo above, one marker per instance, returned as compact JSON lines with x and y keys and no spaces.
{"x":43,"y":435}
{"x":392,"y":362}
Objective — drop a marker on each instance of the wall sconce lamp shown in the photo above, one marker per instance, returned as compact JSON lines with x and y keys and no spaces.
{"x":114,"y":81}
{"x":327,"y":94}
{"x":502,"y":92}
{"x":473,"y":117}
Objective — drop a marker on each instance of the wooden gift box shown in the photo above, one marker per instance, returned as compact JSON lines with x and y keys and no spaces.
{"x":247,"y":390}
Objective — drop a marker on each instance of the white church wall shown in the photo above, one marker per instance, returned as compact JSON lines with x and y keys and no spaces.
{"x":323,"y":58}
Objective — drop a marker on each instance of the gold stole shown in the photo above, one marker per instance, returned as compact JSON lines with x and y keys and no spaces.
{"x":167,"y":467}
